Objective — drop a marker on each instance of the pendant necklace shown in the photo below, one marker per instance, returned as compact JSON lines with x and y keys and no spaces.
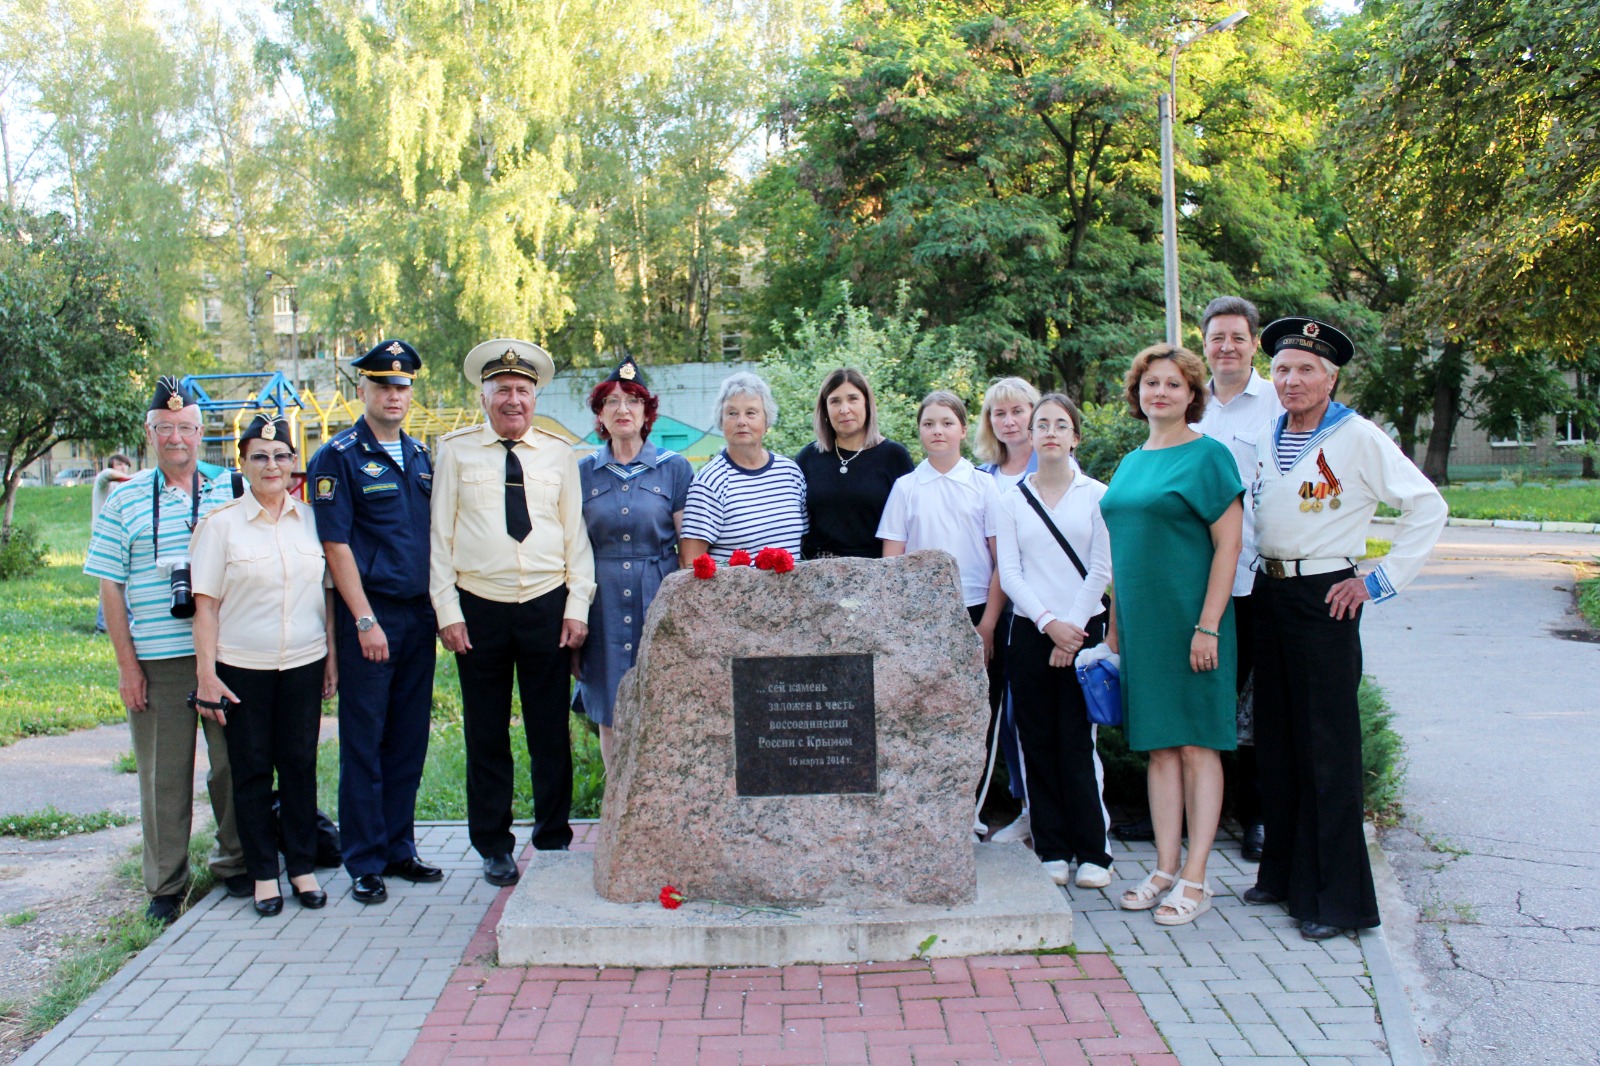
{"x":844,"y":464}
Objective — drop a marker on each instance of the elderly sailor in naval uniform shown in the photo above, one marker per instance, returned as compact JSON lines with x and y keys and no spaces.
{"x":1320,"y":474}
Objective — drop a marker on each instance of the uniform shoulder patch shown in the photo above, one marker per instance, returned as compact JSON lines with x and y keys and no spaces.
{"x":325,"y":488}
{"x":552,"y":436}
{"x":462,"y":432}
{"x":343,"y":441}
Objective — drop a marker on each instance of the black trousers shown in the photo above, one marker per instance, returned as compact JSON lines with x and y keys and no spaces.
{"x":999,"y":713}
{"x":384,"y":709}
{"x":1057,"y":752}
{"x":522,"y":639}
{"x":1245,"y":777}
{"x":1308,"y":738}
{"x":274,"y":727}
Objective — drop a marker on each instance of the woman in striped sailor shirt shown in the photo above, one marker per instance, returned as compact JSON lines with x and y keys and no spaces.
{"x":746,"y":496}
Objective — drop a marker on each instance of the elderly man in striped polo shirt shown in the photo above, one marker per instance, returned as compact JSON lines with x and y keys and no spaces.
{"x":141,"y":532}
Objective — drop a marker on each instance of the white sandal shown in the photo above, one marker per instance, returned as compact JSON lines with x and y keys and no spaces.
{"x":1185,"y":909}
{"x":1145,"y":894}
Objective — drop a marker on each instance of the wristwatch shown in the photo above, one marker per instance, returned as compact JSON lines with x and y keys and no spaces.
{"x":366,"y":622}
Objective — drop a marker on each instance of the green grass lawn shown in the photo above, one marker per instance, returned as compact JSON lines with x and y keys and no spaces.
{"x":1530,"y":502}
{"x":56,"y":675}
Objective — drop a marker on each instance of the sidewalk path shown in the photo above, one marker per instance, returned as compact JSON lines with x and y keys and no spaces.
{"x":413,"y":980}
{"x":1500,"y":848}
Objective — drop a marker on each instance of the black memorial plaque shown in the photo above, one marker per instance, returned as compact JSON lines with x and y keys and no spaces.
{"x":804,"y":725}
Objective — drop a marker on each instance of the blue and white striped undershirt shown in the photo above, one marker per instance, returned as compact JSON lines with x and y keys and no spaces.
{"x":1290,"y":445}
{"x":395,"y":452}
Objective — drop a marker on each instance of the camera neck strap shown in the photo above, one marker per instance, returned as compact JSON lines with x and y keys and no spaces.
{"x":155,"y":509}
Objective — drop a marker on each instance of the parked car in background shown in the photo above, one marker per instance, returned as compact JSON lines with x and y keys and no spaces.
{"x":76,"y":475}
{"x":29,"y":480}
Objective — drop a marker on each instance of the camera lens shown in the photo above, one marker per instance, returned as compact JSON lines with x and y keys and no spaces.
{"x":182,"y":595}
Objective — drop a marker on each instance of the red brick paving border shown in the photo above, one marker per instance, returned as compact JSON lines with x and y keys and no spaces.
{"x":1012,"y":1008}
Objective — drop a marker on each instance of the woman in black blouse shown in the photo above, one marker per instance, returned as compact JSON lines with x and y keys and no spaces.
{"x":849,"y":470}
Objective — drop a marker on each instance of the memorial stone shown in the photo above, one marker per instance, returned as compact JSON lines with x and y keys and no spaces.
{"x":800,"y":738}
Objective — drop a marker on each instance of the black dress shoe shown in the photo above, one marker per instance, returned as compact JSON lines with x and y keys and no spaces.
{"x":500,"y":870}
{"x":1255,"y":838}
{"x":414,"y":870}
{"x":369,"y":888}
{"x":1255,"y":896}
{"x":1318,"y":931}
{"x":269,"y":908}
{"x":239,"y":886}
{"x":312,"y":898}
{"x":163,"y":909}
{"x":1140,"y":830}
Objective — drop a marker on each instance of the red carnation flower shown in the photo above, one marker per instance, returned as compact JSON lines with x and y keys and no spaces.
{"x":739,"y":558}
{"x":671,"y":898}
{"x":782,"y":561}
{"x":764,"y":559}
{"x":705,"y":566}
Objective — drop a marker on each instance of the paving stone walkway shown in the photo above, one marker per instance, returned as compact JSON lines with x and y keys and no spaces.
{"x":414,"y":981}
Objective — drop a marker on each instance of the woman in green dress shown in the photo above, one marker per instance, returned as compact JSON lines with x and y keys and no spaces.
{"x":1175,"y":515}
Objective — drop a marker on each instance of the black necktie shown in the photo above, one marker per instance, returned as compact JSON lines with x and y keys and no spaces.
{"x":517,"y":523}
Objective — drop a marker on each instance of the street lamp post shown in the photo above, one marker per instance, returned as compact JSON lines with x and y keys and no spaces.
{"x":1167,"y":105}
{"x":293,"y":292}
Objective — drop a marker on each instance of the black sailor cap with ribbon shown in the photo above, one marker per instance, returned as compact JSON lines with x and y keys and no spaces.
{"x":1308,"y":335}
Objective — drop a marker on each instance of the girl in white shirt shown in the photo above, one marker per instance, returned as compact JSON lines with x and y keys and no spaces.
{"x":1057,"y":611}
{"x":945,"y":503}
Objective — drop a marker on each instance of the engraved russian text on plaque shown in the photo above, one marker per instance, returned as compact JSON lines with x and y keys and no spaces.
{"x":804,"y":725}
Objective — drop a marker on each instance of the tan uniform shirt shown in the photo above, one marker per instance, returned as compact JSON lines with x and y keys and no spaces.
{"x":471,"y":549}
{"x":268,"y":579}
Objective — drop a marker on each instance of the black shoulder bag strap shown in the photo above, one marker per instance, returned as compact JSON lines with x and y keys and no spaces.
{"x":1097,"y":624}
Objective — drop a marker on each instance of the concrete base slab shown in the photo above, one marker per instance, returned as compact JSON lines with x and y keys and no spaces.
{"x":555,"y":918}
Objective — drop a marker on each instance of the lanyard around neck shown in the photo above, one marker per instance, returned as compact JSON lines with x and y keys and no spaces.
{"x":155,"y":510}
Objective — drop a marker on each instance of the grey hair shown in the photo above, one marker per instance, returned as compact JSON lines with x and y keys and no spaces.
{"x":1232,"y":305}
{"x":1327,"y":364}
{"x":745,"y":383}
{"x":150,"y":416}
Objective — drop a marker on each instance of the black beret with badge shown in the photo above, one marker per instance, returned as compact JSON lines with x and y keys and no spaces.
{"x":263,"y":428}
{"x":503,"y":355}
{"x":390,"y":362}
{"x":628,"y":370}
{"x":171,"y":396}
{"x":1308,"y":335}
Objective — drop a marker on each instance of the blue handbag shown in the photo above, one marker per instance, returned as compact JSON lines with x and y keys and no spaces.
{"x":1102,"y":691}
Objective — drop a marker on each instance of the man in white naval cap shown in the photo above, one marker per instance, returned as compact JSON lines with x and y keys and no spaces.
{"x":511,"y":576}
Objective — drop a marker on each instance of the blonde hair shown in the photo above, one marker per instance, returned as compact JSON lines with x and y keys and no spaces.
{"x":985,"y":445}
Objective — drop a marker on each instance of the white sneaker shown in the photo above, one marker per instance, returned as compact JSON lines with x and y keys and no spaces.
{"x":1057,"y":871}
{"x":1015,"y":833}
{"x":1092,"y":876}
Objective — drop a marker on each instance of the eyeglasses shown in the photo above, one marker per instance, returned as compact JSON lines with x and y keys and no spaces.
{"x":186,"y":430}
{"x":614,"y":401}
{"x":263,"y":458}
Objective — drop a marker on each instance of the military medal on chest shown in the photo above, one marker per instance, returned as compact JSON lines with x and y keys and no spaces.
{"x":1313,"y":494}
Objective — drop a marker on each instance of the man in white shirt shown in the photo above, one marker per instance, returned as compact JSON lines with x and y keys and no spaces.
{"x":1240,"y":406}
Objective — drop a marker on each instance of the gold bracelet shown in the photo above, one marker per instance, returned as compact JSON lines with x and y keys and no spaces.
{"x":1208,"y":632}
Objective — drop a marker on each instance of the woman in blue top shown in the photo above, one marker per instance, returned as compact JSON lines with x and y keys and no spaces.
{"x":633,"y":497}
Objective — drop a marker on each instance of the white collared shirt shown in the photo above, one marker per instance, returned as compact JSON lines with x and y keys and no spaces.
{"x":267,"y":578}
{"x":956,"y":512}
{"x":1034,"y":570}
{"x":1239,"y":423}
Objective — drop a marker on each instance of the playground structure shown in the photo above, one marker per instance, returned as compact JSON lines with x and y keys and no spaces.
{"x":228,"y":402}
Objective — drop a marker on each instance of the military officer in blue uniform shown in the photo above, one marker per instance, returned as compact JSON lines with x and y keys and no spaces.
{"x":370,"y":486}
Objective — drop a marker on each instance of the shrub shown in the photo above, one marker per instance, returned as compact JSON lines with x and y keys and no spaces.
{"x":22,"y":554}
{"x":1109,"y":433}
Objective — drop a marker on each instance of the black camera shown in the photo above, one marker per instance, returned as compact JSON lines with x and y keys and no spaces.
{"x":182,"y":592}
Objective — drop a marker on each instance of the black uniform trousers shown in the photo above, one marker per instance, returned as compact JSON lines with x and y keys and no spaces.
{"x":384,"y":711}
{"x":1057,"y":751}
{"x":1308,"y":738}
{"x":525,"y":639}
{"x":274,"y":726}
{"x":1245,"y":778}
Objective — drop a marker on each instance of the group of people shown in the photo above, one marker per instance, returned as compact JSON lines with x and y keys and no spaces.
{"x":541,"y":568}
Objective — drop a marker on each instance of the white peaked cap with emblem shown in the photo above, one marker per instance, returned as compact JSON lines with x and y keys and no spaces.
{"x":506,"y":356}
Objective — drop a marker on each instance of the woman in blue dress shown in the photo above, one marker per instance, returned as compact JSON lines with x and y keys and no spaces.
{"x":633,"y":497}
